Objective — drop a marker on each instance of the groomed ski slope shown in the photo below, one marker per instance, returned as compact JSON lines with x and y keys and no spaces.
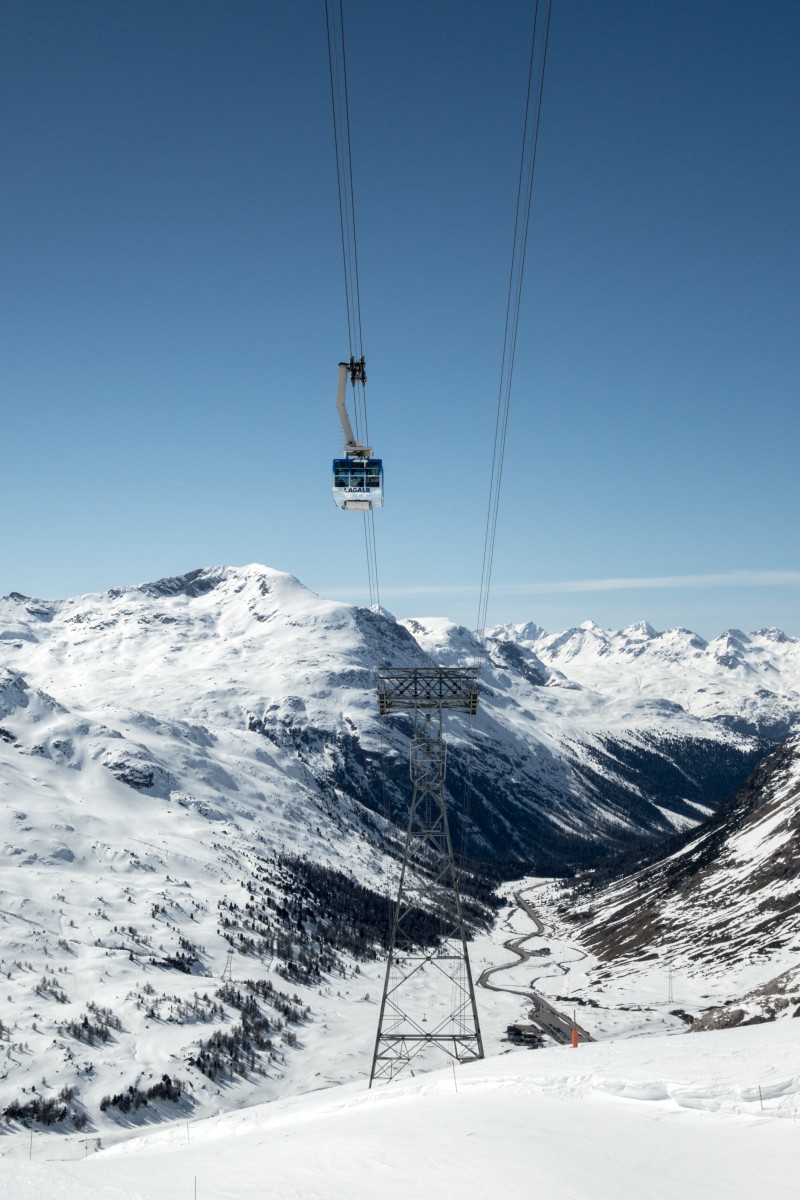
{"x":652,"y":1118}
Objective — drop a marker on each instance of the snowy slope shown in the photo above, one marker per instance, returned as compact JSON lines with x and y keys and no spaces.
{"x":710,"y":1116}
{"x":722,"y":909}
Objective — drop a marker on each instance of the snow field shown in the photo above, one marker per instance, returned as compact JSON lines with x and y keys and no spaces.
{"x":656,"y":1118}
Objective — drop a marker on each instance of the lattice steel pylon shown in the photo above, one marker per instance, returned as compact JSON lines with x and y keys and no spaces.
{"x":417,"y":1013}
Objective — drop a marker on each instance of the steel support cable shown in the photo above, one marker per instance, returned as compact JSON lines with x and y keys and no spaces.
{"x":340,"y":105}
{"x":344,"y":167}
{"x":372,"y":559}
{"x":337,"y":63}
{"x":369,"y":520}
{"x":530,"y":140}
{"x":349,"y":160}
{"x":340,"y":108}
{"x":348,"y":220}
{"x":513,"y":351}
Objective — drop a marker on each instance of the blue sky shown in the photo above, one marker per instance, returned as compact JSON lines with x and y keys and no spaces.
{"x":174,"y":309}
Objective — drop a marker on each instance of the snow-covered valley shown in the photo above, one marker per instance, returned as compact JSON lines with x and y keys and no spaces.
{"x":714,"y":921}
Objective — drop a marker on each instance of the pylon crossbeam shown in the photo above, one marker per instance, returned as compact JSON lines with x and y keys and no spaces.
{"x":437,"y":689}
{"x":404,"y":1048}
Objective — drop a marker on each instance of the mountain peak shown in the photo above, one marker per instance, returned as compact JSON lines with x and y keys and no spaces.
{"x":640,"y":629}
{"x":773,"y":635}
{"x":735,"y":635}
{"x":530,"y":631}
{"x":202,"y":580}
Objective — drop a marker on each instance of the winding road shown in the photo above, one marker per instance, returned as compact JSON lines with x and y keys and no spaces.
{"x":551,"y":1022}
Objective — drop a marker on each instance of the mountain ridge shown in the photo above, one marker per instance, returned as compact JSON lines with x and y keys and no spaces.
{"x":265,"y":655}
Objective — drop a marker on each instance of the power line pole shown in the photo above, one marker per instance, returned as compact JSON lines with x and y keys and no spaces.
{"x":416,"y":1012}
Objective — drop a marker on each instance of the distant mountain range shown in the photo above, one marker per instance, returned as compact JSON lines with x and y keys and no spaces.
{"x":750,"y":682}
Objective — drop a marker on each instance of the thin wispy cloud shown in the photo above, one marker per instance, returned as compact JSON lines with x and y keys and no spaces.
{"x":724,"y":579}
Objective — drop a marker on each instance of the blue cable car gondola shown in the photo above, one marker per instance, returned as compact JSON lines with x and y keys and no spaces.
{"x":358,"y":483}
{"x":358,"y":477}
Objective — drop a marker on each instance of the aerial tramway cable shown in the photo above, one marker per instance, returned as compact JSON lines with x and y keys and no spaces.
{"x":340,"y":107}
{"x":530,"y":138}
{"x":519,"y":250}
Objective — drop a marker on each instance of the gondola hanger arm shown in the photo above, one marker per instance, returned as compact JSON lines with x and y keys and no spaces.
{"x":355,"y":369}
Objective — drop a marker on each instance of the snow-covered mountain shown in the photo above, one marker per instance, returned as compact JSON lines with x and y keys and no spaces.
{"x":749,"y":681}
{"x":723,"y":907}
{"x":196,"y":767}
{"x":234,"y":684}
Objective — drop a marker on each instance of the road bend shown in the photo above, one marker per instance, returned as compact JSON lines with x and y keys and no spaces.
{"x":549,"y":1020}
